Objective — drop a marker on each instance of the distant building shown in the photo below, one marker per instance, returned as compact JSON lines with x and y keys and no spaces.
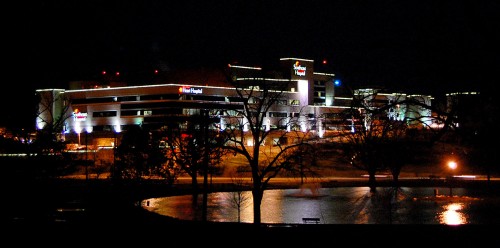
{"x":401,"y":105}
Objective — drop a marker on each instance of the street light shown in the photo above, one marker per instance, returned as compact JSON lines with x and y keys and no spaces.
{"x":113,"y":167}
{"x":86,"y":157}
{"x":452,"y":165}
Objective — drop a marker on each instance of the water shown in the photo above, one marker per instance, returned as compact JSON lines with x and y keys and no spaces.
{"x":344,"y":205}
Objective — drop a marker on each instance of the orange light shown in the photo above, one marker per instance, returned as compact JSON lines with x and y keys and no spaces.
{"x":180,"y":89}
{"x":452,"y":165}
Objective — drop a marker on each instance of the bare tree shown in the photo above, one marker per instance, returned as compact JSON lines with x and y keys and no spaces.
{"x":132,"y":154}
{"x":388,"y":135}
{"x":248,"y":134}
{"x":239,"y":198}
{"x":141,"y":157}
{"x":361,"y":145}
{"x":186,"y":148}
{"x":51,"y":115}
{"x":477,"y":118}
{"x":161,"y":164}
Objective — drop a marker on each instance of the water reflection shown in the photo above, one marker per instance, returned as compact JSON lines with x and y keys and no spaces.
{"x":452,"y":214}
{"x":345,"y":205}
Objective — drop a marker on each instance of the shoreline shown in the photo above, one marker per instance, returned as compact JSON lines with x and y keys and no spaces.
{"x":113,"y":208}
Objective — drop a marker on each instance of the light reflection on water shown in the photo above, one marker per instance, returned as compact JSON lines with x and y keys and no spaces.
{"x":452,"y":214}
{"x":344,"y":205}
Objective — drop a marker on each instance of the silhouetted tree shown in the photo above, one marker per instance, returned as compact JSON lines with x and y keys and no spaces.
{"x":479,"y":131}
{"x":49,"y":145}
{"x":239,"y":198}
{"x":140,"y":157}
{"x":160,"y":162}
{"x":132,"y":155}
{"x":186,"y":147}
{"x":248,"y":132}
{"x":362,"y":144}
{"x":388,"y":135}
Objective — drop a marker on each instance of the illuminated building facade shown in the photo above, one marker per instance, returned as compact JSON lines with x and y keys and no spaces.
{"x":107,"y":110}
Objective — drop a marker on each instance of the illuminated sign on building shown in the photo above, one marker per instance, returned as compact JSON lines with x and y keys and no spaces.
{"x":299,"y":70}
{"x":79,"y":116}
{"x":190,"y":90}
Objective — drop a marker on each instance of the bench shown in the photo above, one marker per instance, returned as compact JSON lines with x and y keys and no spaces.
{"x":310,"y":220}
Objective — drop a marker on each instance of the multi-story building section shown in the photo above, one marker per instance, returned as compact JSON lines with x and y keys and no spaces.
{"x":107,"y":110}
{"x":401,"y":105}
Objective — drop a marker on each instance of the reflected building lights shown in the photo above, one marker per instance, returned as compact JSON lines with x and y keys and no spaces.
{"x":331,"y":206}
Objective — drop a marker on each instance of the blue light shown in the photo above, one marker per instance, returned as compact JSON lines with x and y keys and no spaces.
{"x":336,"y":82}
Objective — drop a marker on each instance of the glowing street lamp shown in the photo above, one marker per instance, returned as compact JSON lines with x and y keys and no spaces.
{"x":453,"y":166}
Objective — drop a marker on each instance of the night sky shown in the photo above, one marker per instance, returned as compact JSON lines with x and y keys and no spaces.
{"x":425,"y":46}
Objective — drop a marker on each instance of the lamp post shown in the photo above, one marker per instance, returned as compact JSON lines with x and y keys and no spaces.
{"x":113,"y":167}
{"x":86,"y":157}
{"x":452,"y":165}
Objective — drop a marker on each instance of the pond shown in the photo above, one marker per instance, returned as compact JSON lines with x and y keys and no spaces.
{"x":342,"y":205}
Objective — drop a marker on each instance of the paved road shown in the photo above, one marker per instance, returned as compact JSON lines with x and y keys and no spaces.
{"x":297,"y":180}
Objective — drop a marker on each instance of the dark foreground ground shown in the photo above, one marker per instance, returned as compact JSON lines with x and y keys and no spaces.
{"x":100,"y":213}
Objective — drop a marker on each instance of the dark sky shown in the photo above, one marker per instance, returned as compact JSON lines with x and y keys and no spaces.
{"x":424,"y":46}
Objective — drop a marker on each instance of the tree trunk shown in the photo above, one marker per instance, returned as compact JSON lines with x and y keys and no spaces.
{"x":194,"y":182}
{"x":257,"y":194}
{"x":195,"y":192}
{"x":372,"y":183}
{"x":395,"y":180}
{"x":395,"y":177}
